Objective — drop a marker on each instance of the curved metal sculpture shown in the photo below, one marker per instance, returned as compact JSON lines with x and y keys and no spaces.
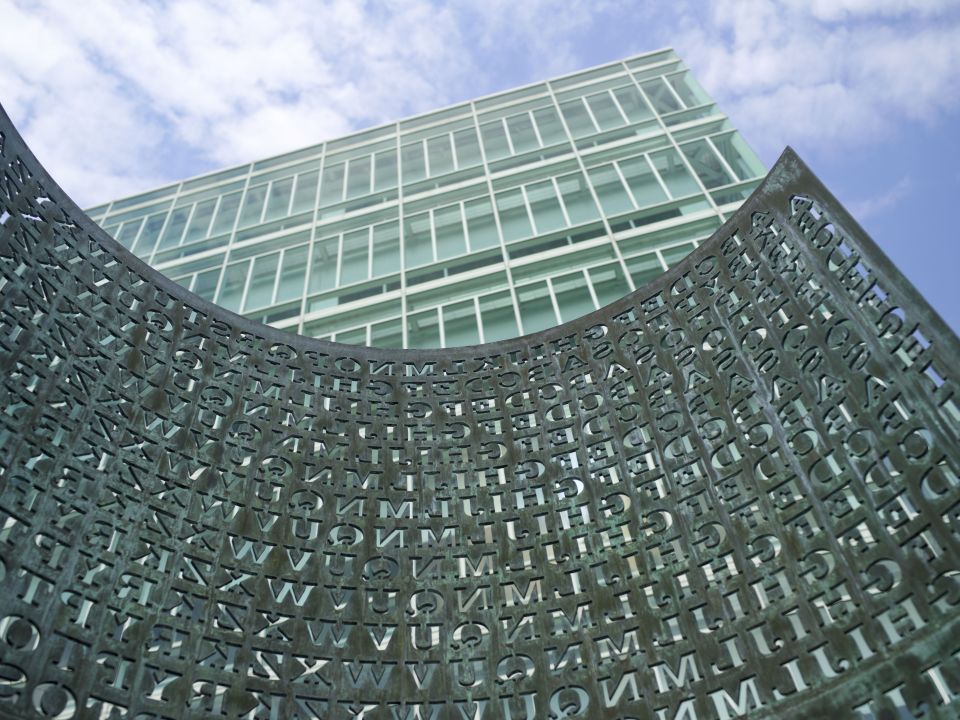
{"x":732,"y":492}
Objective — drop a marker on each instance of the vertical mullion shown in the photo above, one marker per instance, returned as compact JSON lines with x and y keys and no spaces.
{"x":653,"y":169}
{"x":663,"y":263}
{"x":312,"y":242}
{"x":246,"y":287}
{"x":369,"y":251}
{"x":337,"y":281}
{"x":536,"y":130}
{"x":593,"y":119}
{"x":276,"y":276}
{"x":673,"y":92}
{"x":463,"y":226}
{"x":529,"y":209}
{"x":476,"y":314}
{"x":626,"y":185}
{"x":193,"y":210}
{"x":506,"y":131}
{"x":294,"y":181}
{"x":553,"y":301}
{"x":590,"y":288}
{"x":620,"y":107}
{"x":563,"y":205}
{"x":233,"y":234}
{"x":266,"y":201}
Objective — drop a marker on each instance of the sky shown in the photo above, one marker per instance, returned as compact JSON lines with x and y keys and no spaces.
{"x":117,"y":97}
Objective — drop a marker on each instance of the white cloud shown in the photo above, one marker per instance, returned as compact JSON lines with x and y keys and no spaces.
{"x":830,"y":71}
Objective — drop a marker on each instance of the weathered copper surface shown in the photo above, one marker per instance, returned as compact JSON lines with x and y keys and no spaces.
{"x":733,"y":492}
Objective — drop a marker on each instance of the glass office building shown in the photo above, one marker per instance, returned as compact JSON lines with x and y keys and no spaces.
{"x":492,"y":218}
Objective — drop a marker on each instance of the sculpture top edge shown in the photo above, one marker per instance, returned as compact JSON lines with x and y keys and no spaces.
{"x":788,"y":167}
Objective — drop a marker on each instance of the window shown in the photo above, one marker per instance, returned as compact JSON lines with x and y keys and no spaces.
{"x":423,"y":329}
{"x":417,"y":243}
{"x":387,"y":334}
{"x":573,"y":296}
{"x":200,"y":221}
{"x":386,"y":248}
{"x":356,"y":336}
{"x":738,"y":156}
{"x":497,"y":316}
{"x":674,"y":173}
{"x":521,"y":133}
{"x":676,"y":253}
{"x":613,"y":196}
{"x":663,"y":100}
{"x":323,"y":271}
{"x":305,"y":194}
{"x":449,"y":231}
{"x":707,"y":164}
{"x":292,"y":271}
{"x":467,"y":147}
{"x":549,"y":125}
{"x":545,"y":207}
{"x":231,"y":290}
{"x":359,"y":176}
{"x":174,"y":229}
{"x":577,"y":198}
{"x":633,"y":103}
{"x":514,"y":221}
{"x":331,"y":187}
{"x":440,"y":155}
{"x":206,"y":284}
{"x":608,"y":283}
{"x":262,"y":279}
{"x":150,"y":233}
{"x":688,"y":90}
{"x":356,"y":248}
{"x":279,"y":201}
{"x":577,"y":118}
{"x":460,"y":324}
{"x":481,"y":225}
{"x":605,"y":111}
{"x":412,"y":162}
{"x":128,"y":232}
{"x":643,"y":183}
{"x":226,"y":214}
{"x":644,"y":268}
{"x":536,"y":309}
{"x":494,"y":140}
{"x":385,"y":173}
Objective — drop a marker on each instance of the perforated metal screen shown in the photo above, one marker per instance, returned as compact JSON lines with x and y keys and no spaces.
{"x":731,"y":493}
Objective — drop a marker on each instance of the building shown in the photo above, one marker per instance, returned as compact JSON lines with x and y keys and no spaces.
{"x":482,"y":221}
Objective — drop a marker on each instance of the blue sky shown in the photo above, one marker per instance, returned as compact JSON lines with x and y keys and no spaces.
{"x":117,"y":97}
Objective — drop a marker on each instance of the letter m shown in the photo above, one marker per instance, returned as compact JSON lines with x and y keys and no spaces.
{"x":665,"y":674}
{"x":747,"y":699}
{"x":512,"y":593}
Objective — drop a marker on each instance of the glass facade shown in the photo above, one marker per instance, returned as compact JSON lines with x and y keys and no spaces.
{"x":493,"y":218}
